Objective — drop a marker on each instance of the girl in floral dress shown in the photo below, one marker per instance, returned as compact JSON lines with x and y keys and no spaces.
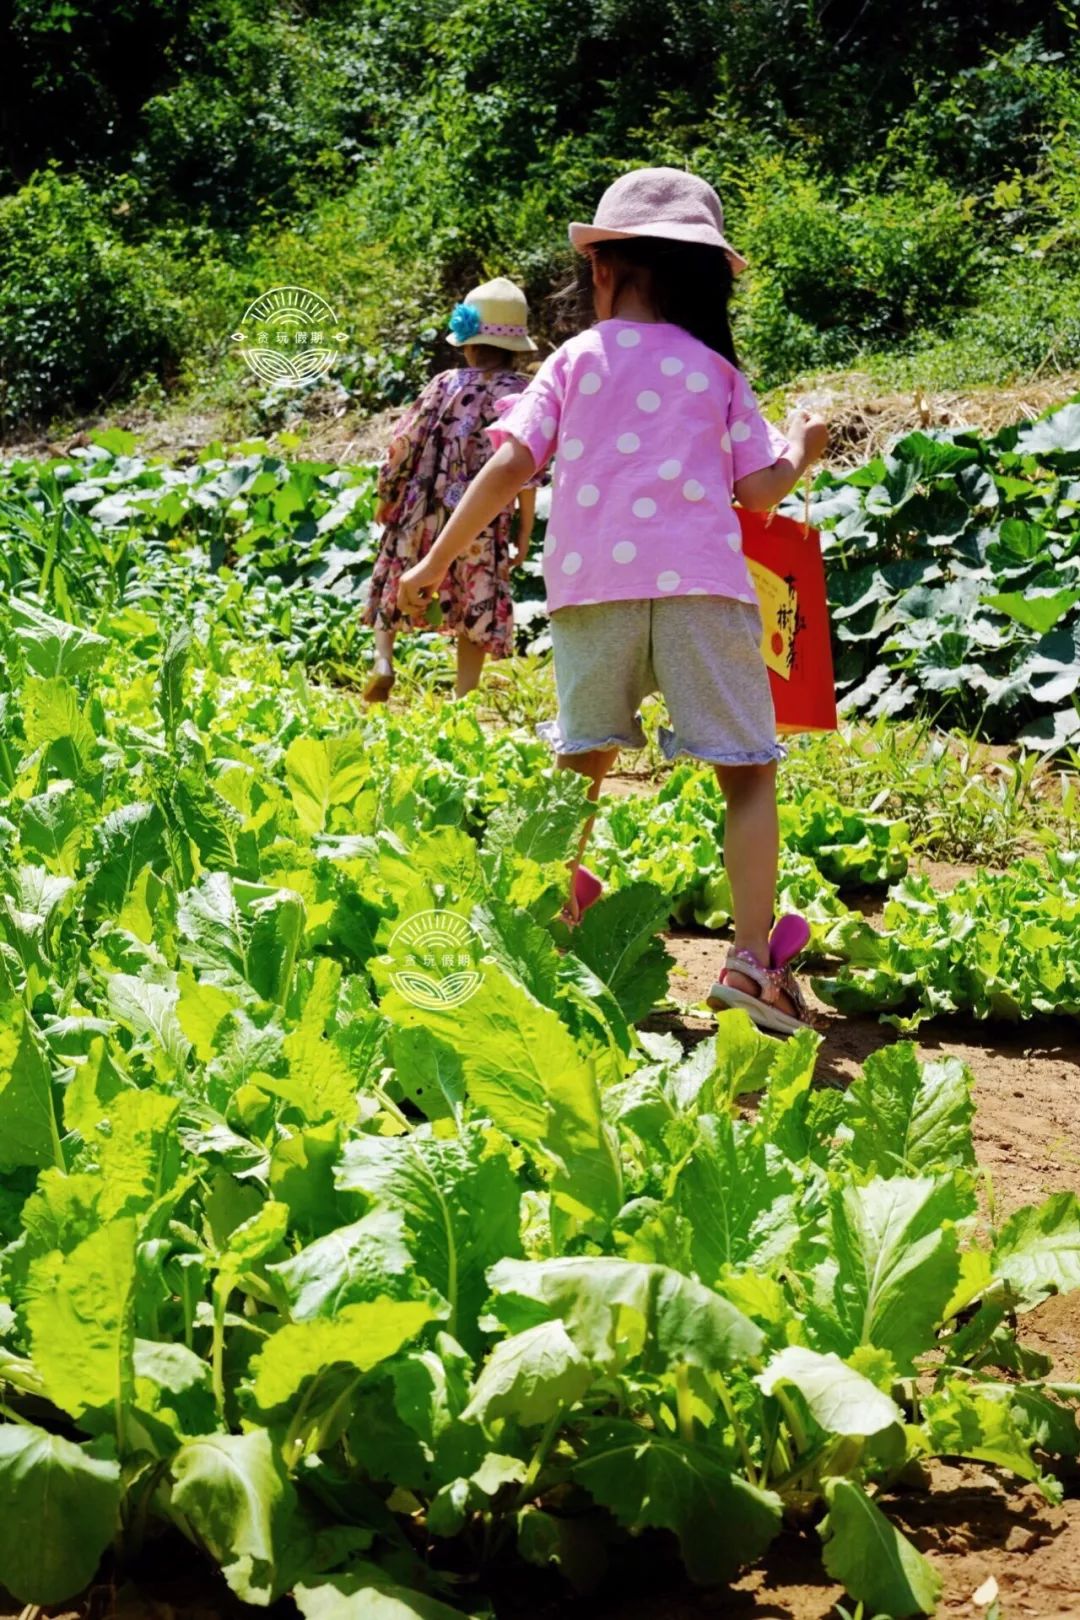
{"x":438,"y":449}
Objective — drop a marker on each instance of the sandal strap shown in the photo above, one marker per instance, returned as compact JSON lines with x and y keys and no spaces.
{"x":773,"y":981}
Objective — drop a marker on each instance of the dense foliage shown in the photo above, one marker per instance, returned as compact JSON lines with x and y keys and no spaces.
{"x":368,"y":1296}
{"x":954,"y":579}
{"x":953,"y":562}
{"x":882,"y":175}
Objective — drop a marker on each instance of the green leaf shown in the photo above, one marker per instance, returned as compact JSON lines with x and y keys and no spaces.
{"x":541,"y":824}
{"x":170,"y":1377}
{"x":1036,"y":609}
{"x":1051,"y":732}
{"x":908,"y":1117}
{"x":80,"y":1312}
{"x":451,"y":1506}
{"x":360,"y":1336}
{"x":530,"y":1377}
{"x":136,"y":1151}
{"x":429,"y":1072}
{"x":459,"y":1200}
{"x":28,"y":1132}
{"x":242,"y":933}
{"x":367,"y":1260}
{"x":323,"y":772}
{"x":59,"y":1509}
{"x":619,"y":938}
{"x":52,"y":647}
{"x":575,"y":1545}
{"x":1052,"y":437}
{"x":148,"y":1009}
{"x":960,"y":1421}
{"x":171,"y":686}
{"x":840,"y":1399}
{"x":236,"y":1500}
{"x":617,"y":1311}
{"x":525,"y":1071}
{"x":1038,"y":1249}
{"x":743,"y":1056}
{"x":872,"y":1560}
{"x":302,"y":1177}
{"x":320,"y":1084}
{"x":51,"y":714}
{"x":252,"y":1240}
{"x":895,"y":1265}
{"x":739,"y":1199}
{"x":784,"y":1112}
{"x":407,"y":1427}
{"x":368,"y":1598}
{"x":932,"y":458}
{"x":127,"y":840}
{"x":651,"y":1480}
{"x":52,"y":825}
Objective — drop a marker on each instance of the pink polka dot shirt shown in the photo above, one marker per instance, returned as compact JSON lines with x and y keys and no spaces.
{"x":650,"y":430}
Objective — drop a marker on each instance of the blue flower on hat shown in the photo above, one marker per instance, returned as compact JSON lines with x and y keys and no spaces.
{"x":465,"y":322}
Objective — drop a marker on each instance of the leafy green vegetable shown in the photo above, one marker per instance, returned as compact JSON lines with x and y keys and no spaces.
{"x":59,"y":1509}
{"x":324,"y":1276}
{"x":872,"y":1559}
{"x":650,"y":1479}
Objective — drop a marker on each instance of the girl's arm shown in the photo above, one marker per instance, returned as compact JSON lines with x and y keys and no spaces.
{"x":493,"y":489}
{"x":808,"y":437}
{"x":526,"y":518}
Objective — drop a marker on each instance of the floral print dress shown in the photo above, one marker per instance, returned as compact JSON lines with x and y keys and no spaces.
{"x":438,"y":449}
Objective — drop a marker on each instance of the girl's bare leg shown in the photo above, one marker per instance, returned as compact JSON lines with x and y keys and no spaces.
{"x":751,"y":856}
{"x":470,"y":662}
{"x":594,"y":765}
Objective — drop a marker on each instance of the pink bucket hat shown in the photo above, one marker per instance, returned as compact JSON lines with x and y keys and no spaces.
{"x":659,"y":202}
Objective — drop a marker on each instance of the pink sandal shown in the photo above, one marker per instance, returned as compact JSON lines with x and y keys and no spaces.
{"x":788,"y":938}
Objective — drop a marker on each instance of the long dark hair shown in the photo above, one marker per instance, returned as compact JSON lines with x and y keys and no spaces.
{"x":686,"y":283}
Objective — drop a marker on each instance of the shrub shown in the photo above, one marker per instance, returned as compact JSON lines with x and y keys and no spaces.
{"x":83,"y":314}
{"x":838,"y":270}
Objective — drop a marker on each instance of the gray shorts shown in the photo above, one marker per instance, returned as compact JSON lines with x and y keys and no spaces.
{"x":701,"y":653}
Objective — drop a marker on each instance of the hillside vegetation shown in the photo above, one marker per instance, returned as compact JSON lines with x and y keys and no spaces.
{"x":905,"y":182}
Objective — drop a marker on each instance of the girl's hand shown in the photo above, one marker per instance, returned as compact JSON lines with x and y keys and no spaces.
{"x":808,"y":432}
{"x":416,"y":589}
{"x":521,"y":553}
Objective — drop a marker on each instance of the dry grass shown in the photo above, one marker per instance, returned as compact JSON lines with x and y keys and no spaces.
{"x":864,"y":421}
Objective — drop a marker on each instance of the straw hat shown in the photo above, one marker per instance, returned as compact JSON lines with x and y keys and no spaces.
{"x":659,"y":202}
{"x":495,"y":314}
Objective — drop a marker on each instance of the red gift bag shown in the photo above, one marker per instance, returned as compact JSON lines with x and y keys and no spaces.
{"x":789,"y":577}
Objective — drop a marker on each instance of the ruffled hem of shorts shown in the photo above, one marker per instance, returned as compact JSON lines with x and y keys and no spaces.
{"x":672,"y":748}
{"x":549,"y":731}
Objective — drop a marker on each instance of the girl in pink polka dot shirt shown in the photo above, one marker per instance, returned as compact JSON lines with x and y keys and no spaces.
{"x":655,"y":434}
